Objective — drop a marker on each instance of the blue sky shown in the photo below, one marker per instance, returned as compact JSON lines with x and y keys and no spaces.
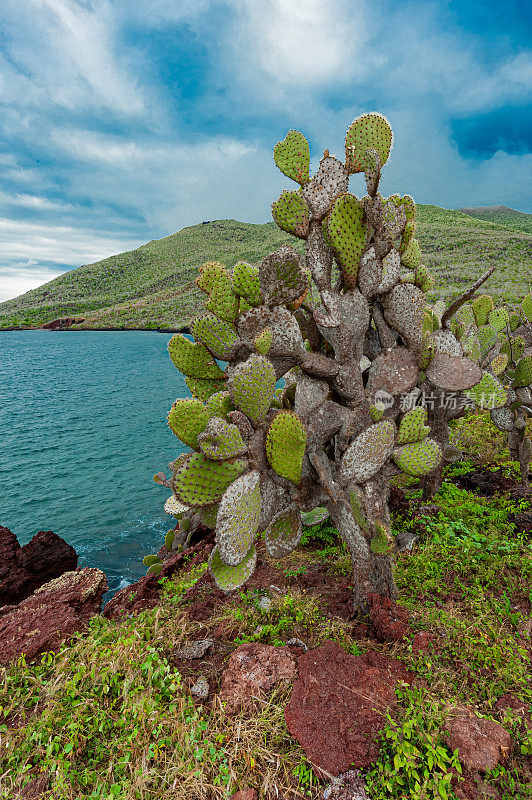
{"x":124,"y":121}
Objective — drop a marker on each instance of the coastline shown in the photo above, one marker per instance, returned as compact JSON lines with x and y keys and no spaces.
{"x":11,"y":329}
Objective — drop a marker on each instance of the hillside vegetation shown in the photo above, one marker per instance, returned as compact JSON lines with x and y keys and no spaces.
{"x":502,"y":215}
{"x":153,"y":286}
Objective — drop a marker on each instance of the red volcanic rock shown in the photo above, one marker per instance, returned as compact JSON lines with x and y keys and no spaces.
{"x":510,"y":702}
{"x":252,"y":669}
{"x":56,"y":610}
{"x":144,"y":593}
{"x":245,"y":794}
{"x":481,"y":743}
{"x":338,"y":705}
{"x":390,"y":622}
{"x":24,"y":569}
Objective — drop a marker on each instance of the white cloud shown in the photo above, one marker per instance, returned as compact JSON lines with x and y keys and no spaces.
{"x":14,"y":283}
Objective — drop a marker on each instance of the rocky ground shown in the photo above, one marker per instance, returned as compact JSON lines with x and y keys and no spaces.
{"x":278,"y":690}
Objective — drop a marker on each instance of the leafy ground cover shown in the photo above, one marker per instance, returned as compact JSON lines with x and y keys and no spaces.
{"x":111,"y":715}
{"x":153,"y":286}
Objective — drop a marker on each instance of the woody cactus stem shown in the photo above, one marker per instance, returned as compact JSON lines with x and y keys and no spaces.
{"x":345,"y":326}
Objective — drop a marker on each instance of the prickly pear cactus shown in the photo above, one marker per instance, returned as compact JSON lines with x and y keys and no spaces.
{"x":299,"y":364}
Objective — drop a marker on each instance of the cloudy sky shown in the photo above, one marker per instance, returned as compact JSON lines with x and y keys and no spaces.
{"x":122,"y":121}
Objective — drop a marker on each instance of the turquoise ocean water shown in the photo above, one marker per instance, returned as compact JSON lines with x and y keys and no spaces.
{"x":82,"y":432}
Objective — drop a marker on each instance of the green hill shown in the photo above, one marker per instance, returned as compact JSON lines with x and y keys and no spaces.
{"x":153,"y":286}
{"x":501,"y":215}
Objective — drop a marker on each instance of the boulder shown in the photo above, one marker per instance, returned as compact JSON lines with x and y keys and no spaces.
{"x":251,"y":670}
{"x":481,"y":743}
{"x":339,"y":704}
{"x":24,"y":569}
{"x":390,"y":622}
{"x":55,"y":611}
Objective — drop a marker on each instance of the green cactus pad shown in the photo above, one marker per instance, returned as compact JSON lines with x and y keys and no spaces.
{"x":407,"y":235}
{"x":409,"y":206}
{"x":291,"y":214}
{"x":246,"y":283}
{"x":228,"y":578}
{"x":252,"y":386}
{"x":169,"y":539}
{"x":499,"y":319}
{"x":282,"y":276}
{"x":513,"y":347}
{"x":367,"y":131}
{"x":526,"y":307}
{"x":465,"y":315}
{"x":214,"y":333}
{"x":347,"y":235}
{"x":379,"y":543}
{"x":193,"y":360}
{"x":222,"y":300}
{"x":155,"y":569}
{"x":148,"y":561}
{"x":220,"y":404}
{"x":209,"y":274}
{"x":487,"y":338}
{"x":221,"y":440}
{"x":202,"y":388}
{"x":499,"y":363}
{"x":285,"y":445}
{"x":283,"y":534}
{"x":356,"y":500}
{"x":411,"y":256}
{"x":199,"y":481}
{"x":412,"y":427}
{"x":418,"y":458}
{"x":368,"y":453}
{"x":488,"y":393}
{"x":503,"y":418}
{"x":523,"y":373}
{"x":426,"y":354}
{"x":472,"y":348}
{"x":292,"y":156}
{"x":238,"y":518}
{"x":263,"y":342}
{"x":187,"y":419}
{"x":377,"y":411}
{"x":482,"y":307}
{"x":515,"y":321}
{"x":314,"y":517}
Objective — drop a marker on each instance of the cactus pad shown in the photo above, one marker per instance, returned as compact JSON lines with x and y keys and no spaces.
{"x":199,"y":481}
{"x":368,"y":453}
{"x":263,"y":342}
{"x":412,"y":427}
{"x":372,"y":170}
{"x":221,"y":440}
{"x":404,"y":310}
{"x":330,"y":181}
{"x":202,"y":389}
{"x":314,"y":517}
{"x":418,"y":458}
{"x":503,"y":418}
{"x":246,"y":283}
{"x":209,"y":274}
{"x":285,"y":445}
{"x":228,"y":578}
{"x":523,"y":373}
{"x":526,"y":307}
{"x":487,"y":337}
{"x":391,"y":265}
{"x":291,"y":214}
{"x":367,"y":131}
{"x":283,"y":534}
{"x":155,"y":568}
{"x":214,"y":333}
{"x":292,"y":156}
{"x":187,"y":419}
{"x":472,"y":348}
{"x":499,"y":319}
{"x":238,"y":518}
{"x":426,"y":354}
{"x":219,"y":404}
{"x":222,"y":300}
{"x":488,"y":392}
{"x":347,"y":235}
{"x":149,"y":560}
{"x":369,"y":273}
{"x":380,"y":543}
{"x":482,"y":307}
{"x":282,"y":277}
{"x":252,"y":386}
{"x":193,"y":360}
{"x":499,"y":363}
{"x":513,"y":347}
{"x":411,"y":255}
{"x":453,"y":373}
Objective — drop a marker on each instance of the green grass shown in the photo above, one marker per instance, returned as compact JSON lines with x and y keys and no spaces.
{"x":108,"y":716}
{"x":153,"y":286}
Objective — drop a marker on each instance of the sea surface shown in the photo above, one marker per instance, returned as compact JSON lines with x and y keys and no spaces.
{"x":82,"y":432}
